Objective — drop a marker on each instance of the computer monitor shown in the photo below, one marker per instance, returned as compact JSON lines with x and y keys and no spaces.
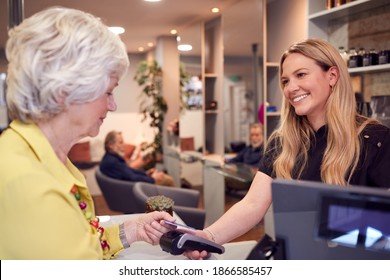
{"x":319,"y":221}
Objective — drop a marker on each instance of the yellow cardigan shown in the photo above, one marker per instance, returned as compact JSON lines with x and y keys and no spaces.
{"x":39,"y":216}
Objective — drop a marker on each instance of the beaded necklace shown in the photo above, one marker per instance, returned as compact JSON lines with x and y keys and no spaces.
{"x":94,"y":222}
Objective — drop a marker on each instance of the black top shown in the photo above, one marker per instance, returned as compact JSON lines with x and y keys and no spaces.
{"x":374,"y":163}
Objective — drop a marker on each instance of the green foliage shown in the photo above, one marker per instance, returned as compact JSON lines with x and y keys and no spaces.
{"x":184,"y":95}
{"x":153,"y":104}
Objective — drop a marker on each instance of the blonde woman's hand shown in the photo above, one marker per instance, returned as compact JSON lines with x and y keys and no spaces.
{"x":198,"y":255}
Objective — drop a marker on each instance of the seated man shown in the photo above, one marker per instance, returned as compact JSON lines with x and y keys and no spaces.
{"x":114,"y":165}
{"x":253,"y":153}
{"x":250,"y":155}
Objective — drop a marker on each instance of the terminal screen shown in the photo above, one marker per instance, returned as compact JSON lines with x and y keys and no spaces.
{"x":355,"y":221}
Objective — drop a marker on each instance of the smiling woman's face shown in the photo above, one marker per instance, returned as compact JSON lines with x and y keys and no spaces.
{"x":306,"y":86}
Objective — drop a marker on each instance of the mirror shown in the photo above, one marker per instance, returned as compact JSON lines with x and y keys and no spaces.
{"x":190,"y":120}
{"x":242,"y":25}
{"x":242,"y":69}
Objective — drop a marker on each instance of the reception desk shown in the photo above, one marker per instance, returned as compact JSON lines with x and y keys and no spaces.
{"x":214,"y":184}
{"x":239,"y":171}
{"x":144,"y":251}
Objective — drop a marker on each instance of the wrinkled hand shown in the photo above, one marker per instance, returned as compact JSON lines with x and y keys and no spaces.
{"x":148,"y":227}
{"x":198,"y":255}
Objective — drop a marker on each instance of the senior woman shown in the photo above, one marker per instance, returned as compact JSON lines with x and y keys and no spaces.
{"x":63,"y":67}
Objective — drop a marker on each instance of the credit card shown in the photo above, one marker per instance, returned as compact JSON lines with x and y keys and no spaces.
{"x":179,"y":226}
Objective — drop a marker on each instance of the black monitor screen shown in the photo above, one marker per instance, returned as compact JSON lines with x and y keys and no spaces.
{"x":355,"y":221}
{"x":328,"y":222}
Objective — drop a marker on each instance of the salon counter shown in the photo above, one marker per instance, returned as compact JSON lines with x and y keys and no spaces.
{"x":144,"y":251}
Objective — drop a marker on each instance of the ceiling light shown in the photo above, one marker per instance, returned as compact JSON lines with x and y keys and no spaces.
{"x":184,"y":47}
{"x":178,"y":38}
{"x":141,"y":49}
{"x":116,"y":29}
{"x":150,"y":44}
{"x":173,"y":31}
{"x":152,"y":0}
{"x":215,"y":10}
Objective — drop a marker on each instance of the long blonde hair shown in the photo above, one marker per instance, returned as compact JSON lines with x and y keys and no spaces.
{"x":344,"y":123}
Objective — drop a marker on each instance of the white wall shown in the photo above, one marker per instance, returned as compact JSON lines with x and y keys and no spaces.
{"x":128,"y":92}
{"x":190,"y":126}
{"x":134,"y":132}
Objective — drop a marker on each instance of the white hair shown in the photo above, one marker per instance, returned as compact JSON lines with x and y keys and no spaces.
{"x":60,"y":54}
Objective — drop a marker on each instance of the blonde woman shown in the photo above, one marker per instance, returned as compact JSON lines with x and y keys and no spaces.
{"x":321,"y":138}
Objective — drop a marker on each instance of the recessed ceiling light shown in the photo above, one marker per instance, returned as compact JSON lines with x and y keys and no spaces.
{"x":173,"y":31}
{"x":141,"y":49}
{"x":215,"y":10}
{"x":150,"y":44}
{"x":116,"y":29}
{"x":152,"y":0}
{"x":184,"y":47}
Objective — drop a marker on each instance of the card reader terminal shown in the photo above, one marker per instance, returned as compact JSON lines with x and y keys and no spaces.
{"x":176,"y":242}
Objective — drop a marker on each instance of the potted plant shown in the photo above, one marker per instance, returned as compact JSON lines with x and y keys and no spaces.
{"x":159,"y":203}
{"x":153,"y":105}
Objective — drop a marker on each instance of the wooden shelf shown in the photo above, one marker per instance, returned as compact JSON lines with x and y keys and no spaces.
{"x":210,"y":75}
{"x":272,"y":64}
{"x":345,"y":10}
{"x":212,"y":79}
{"x":273,"y":114}
{"x":211,"y":112}
{"x":369,"y":69}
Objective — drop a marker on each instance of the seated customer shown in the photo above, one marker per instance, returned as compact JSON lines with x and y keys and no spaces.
{"x":114,"y":165}
{"x":253,"y":153}
{"x":140,"y":161}
{"x":250,"y":155}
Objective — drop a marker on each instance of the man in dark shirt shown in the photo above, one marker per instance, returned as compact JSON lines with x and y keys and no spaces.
{"x":252,"y":153}
{"x":247,"y":160}
{"x":114,"y":165}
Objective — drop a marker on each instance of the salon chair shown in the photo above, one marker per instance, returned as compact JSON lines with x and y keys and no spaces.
{"x":118,"y":194}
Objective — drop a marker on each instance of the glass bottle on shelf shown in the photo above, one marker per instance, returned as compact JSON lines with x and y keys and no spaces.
{"x":366,"y":59}
{"x":384,"y":57}
{"x":353,"y":57}
{"x":373,"y":57}
{"x":339,"y":2}
{"x":329,"y":4}
{"x":360,"y":56}
{"x":344,"y":54}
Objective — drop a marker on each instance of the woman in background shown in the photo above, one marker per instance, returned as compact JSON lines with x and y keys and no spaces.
{"x":321,"y":138}
{"x":63,"y":67}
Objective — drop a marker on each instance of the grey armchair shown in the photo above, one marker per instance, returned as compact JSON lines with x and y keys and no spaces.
{"x":118,"y":194}
{"x":186,"y":202}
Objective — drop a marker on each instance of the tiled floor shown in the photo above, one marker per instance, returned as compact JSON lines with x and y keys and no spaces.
{"x":255,"y":234}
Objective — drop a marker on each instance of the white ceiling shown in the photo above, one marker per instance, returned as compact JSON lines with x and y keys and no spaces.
{"x":144,"y":22}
